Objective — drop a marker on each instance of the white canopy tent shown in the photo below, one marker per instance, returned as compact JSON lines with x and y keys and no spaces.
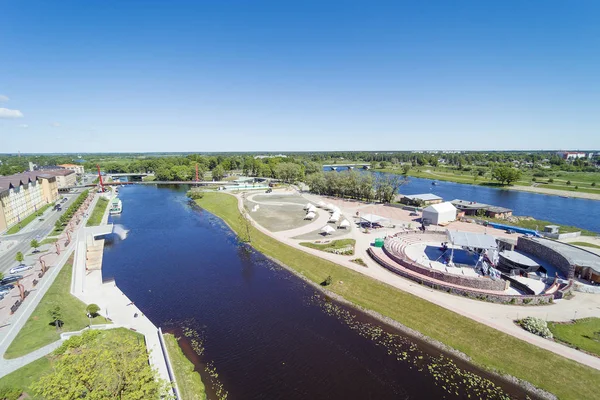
{"x":336,"y":209}
{"x":307,"y":206}
{"x":372,"y":219}
{"x":329,"y":206}
{"x":440,"y":213}
{"x":321,"y":204}
{"x":344,"y":224}
{"x":310,"y":215}
{"x":327,"y":229}
{"x":312,"y":208}
{"x":334,"y":217}
{"x":472,"y":240}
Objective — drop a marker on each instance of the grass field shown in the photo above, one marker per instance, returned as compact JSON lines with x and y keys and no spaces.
{"x":486,"y":346}
{"x":49,"y":241}
{"x":583,"y":334}
{"x":331,"y":246}
{"x":25,"y":221}
{"x":98,"y":212}
{"x":25,"y":376}
{"x":188,"y":381}
{"x":585,"y":244}
{"x":38,"y":331}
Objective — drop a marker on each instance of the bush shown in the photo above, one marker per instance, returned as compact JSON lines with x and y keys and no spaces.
{"x":7,"y":393}
{"x":568,"y":182}
{"x":195,"y":194}
{"x":92,"y":309}
{"x":536,"y":326}
{"x":327,"y":281}
{"x":550,"y":180}
{"x":593,"y":183}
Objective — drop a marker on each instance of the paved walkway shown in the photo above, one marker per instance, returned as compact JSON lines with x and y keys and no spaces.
{"x":497,"y":316}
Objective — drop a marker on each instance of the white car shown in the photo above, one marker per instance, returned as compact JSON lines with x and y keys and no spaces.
{"x":20,"y":268}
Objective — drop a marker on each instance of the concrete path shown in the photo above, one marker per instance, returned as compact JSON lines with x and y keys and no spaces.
{"x":497,"y":316}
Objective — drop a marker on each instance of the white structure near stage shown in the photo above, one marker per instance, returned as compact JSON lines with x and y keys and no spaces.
{"x":438,"y":214}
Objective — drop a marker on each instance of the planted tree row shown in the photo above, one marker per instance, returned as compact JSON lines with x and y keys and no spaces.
{"x":355,"y":185}
{"x":69,"y":212}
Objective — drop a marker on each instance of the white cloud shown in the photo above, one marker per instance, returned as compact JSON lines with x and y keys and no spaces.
{"x":3,"y":98}
{"x":24,"y":126}
{"x":7,"y":113}
{"x":55,"y":124}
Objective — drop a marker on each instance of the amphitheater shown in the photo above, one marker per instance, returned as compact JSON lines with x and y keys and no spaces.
{"x":421,"y":258}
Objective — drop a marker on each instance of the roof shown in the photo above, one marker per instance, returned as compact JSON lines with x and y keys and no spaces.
{"x":440,"y":207}
{"x":372,"y":218}
{"x":58,"y":172}
{"x":16,"y":180}
{"x":465,"y":204}
{"x":423,"y":196}
{"x":575,"y":255}
{"x":471,"y":239}
{"x":498,"y":209}
{"x":68,"y":165}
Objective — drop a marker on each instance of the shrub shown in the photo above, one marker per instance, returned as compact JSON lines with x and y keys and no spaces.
{"x":327,"y":281}
{"x":593,"y":183}
{"x":8,"y":393}
{"x":550,"y":180}
{"x":536,"y":326}
{"x":533,"y":179}
{"x":576,"y":187}
{"x":568,"y":182}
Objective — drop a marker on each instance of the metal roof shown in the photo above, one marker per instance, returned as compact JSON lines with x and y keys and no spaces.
{"x":471,"y":239}
{"x":440,"y":207}
{"x":423,"y":196}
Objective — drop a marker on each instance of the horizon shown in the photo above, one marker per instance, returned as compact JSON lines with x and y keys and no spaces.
{"x":114,"y":77}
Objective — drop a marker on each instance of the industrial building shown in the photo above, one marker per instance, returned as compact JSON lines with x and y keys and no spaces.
{"x":419,"y":200}
{"x":23,"y":194}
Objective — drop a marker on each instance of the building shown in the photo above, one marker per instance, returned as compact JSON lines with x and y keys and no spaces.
{"x":23,"y":194}
{"x":78,"y":169}
{"x":419,"y":200}
{"x":439,"y":214}
{"x":571,"y":155}
{"x":64,"y":177}
{"x":480,"y":209}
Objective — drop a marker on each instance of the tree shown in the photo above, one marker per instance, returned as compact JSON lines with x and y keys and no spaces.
{"x":92,"y":309}
{"x":246,"y":228}
{"x":55,"y":314}
{"x":115,"y":367}
{"x":35,"y":244}
{"x":505,"y":174}
{"x":19,"y":257}
{"x":405,"y":169}
{"x":218,"y":173}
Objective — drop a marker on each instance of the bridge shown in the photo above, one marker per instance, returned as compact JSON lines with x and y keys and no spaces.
{"x":134,"y":176}
{"x":195,"y":183}
{"x":335,"y":167}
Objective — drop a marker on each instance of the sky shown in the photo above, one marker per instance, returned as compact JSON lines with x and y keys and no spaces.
{"x":201,"y":76}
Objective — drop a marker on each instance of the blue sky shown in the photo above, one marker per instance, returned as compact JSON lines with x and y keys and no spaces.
{"x":82,"y":76}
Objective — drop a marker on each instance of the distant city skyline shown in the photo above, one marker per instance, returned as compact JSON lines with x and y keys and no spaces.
{"x":270,"y":76}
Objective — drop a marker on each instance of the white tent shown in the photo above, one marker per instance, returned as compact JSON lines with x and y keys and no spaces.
{"x":321,"y":204}
{"x":372,"y":218}
{"x":307,"y":206}
{"x":312,"y":208}
{"x":310,"y":215}
{"x":327,"y":229}
{"x":440,"y":213}
{"x":344,"y":224}
{"x":472,"y":240}
{"x":336,"y":209}
{"x":334,"y":218}
{"x":329,"y":206}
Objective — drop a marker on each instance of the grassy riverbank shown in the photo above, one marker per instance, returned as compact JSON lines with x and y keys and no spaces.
{"x":188,"y":381}
{"x":583,"y":334}
{"x":98,"y":212}
{"x":333,"y":246}
{"x":487,"y":347}
{"x":37,"y":331}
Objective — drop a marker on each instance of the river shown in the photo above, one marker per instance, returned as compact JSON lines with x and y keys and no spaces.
{"x":256,"y":331}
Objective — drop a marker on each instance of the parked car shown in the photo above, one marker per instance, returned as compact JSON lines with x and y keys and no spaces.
{"x":64,"y":199}
{"x":10,"y":279}
{"x":269,"y":190}
{"x":20,"y":268}
{"x":510,"y":231}
{"x":4,"y":289}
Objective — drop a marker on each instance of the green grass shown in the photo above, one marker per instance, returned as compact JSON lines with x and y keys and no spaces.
{"x":583,"y":334}
{"x":585,"y":244}
{"x":23,"y":377}
{"x":49,"y":241}
{"x":331,"y":246}
{"x":540,"y":224}
{"x":25,"y":221}
{"x":486,"y":346}
{"x":188,"y":381}
{"x":98,"y":212}
{"x":37,"y":331}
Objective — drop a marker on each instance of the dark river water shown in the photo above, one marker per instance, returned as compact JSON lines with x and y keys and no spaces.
{"x":254,"y":330}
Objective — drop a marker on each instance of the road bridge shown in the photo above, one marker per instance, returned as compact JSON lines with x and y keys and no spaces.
{"x":336,"y":167}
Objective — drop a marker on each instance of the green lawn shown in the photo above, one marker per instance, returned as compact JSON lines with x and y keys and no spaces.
{"x":98,"y":212}
{"x":25,"y":376}
{"x":188,"y":381}
{"x":585,"y":244}
{"x":486,"y":346}
{"x":25,"y":221}
{"x":49,"y":241}
{"x":331,"y":246}
{"x":583,"y":334}
{"x":37,"y":331}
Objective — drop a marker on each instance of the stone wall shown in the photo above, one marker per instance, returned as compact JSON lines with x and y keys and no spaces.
{"x":483,"y":283}
{"x":531,"y":246}
{"x":491,"y":297}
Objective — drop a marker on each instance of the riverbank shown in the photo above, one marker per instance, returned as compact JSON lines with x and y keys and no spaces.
{"x":486,"y":347}
{"x":580,"y":193}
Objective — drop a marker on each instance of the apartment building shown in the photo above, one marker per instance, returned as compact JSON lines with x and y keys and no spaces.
{"x":64,"y":177}
{"x":23,"y":194}
{"x":78,"y":169}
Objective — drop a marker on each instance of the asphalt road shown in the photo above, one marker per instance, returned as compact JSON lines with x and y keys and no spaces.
{"x":35,"y":230}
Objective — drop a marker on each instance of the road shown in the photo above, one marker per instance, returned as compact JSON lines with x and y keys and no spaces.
{"x":36,"y":229}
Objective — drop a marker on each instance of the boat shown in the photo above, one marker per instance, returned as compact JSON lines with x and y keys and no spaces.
{"x":434,"y":183}
{"x":116,"y":206}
